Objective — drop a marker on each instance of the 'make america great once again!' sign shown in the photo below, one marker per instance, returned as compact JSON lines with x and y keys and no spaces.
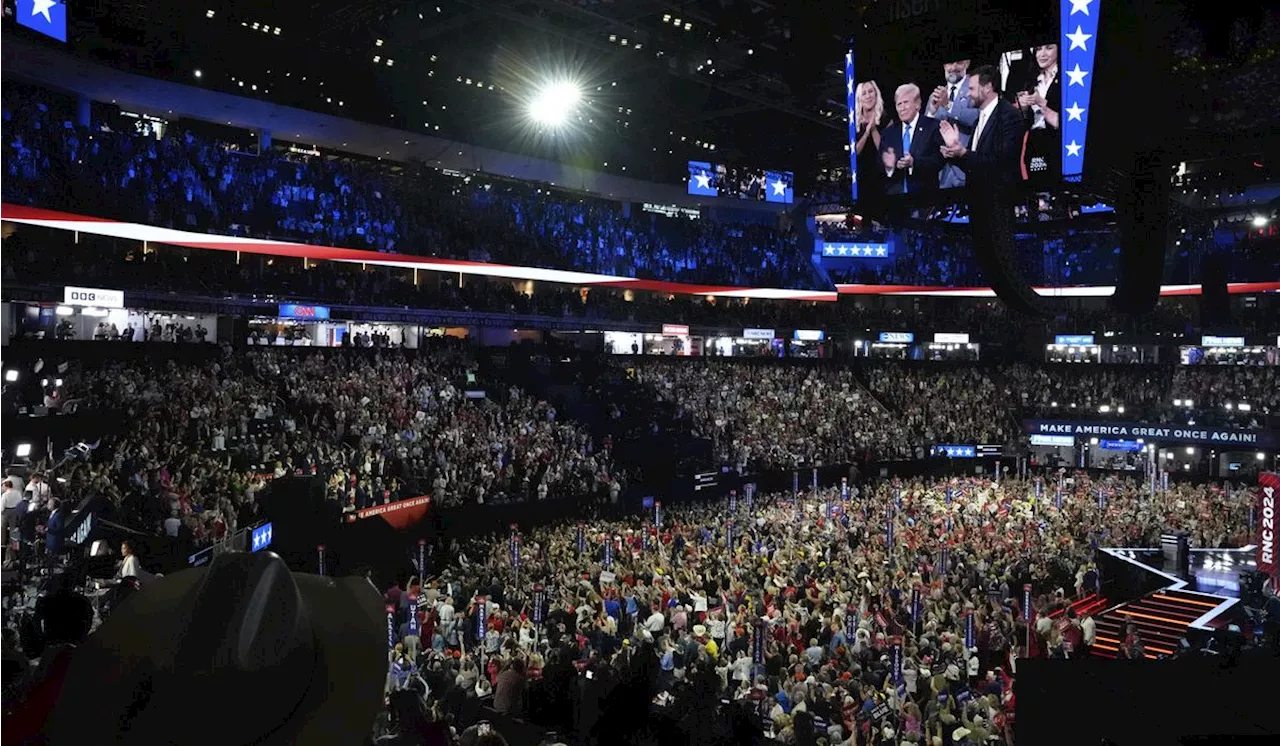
{"x":1225,"y":437}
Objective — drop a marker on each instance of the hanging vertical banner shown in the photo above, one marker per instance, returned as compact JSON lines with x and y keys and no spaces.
{"x":949,"y":496}
{"x":482,"y":618}
{"x":413,"y":615}
{"x":815,"y":480}
{"x":970,"y":633}
{"x":1039,"y":488}
{"x":733,"y":501}
{"x":581,"y":539}
{"x":320,"y":551}
{"x":826,"y":502}
{"x":1164,"y":481}
{"x":888,"y":532}
{"x":750,"y":489}
{"x":608,"y":552}
{"x":851,"y":103}
{"x":728,"y":536}
{"x":1268,"y":485}
{"x":844,"y":489}
{"x":915,"y":605}
{"x":795,"y":485}
{"x":657,"y":514}
{"x":895,"y":660}
{"x":851,"y":624}
{"x":1102,"y":499}
{"x":515,"y":552}
{"x":897,"y":499}
{"x":422,"y":557}
{"x":1057,"y":498}
{"x":757,"y":643}
{"x":539,"y":601}
{"x":391,"y":627}
{"x":942,"y":561}
{"x":1028,"y":613}
{"x":997,"y":479}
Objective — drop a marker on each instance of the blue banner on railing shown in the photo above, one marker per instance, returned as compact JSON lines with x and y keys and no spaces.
{"x":951,"y":450}
{"x":1120,"y":445}
{"x":260,"y":538}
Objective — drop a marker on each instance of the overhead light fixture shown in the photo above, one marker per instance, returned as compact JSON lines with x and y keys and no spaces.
{"x":22,"y":450}
{"x":11,"y":375}
{"x":198,"y":74}
{"x":208,"y":14}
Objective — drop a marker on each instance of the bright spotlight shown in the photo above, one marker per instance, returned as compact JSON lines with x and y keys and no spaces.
{"x":23,"y":450}
{"x":1259,"y":221}
{"x":10,"y":375}
{"x":553,"y":103}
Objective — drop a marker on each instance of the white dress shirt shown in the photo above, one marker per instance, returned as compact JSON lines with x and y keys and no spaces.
{"x":1043,"y":82}
{"x":984,"y":114}
{"x":906,"y":127}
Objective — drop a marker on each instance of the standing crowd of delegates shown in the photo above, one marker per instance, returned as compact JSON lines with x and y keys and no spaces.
{"x":664,"y":610}
{"x":769,"y":415}
{"x":188,"y":182}
{"x":201,"y":441}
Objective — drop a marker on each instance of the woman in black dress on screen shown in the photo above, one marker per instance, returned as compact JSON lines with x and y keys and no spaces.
{"x":1039,"y":97}
{"x":870,"y":121}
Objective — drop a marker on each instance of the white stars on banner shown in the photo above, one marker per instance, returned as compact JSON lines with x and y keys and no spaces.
{"x":1079,"y":29}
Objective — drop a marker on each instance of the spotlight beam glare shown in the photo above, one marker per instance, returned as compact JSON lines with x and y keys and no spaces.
{"x":553,"y":103}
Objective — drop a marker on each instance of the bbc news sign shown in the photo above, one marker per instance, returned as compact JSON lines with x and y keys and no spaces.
{"x":1163,"y":433}
{"x":95,"y":297}
{"x":1268,"y":486}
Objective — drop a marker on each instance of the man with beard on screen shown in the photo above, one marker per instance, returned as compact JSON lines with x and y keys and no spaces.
{"x":950,"y":103}
{"x":994,"y":152}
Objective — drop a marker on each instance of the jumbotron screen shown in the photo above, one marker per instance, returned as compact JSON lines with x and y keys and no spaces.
{"x":758,"y":185}
{"x":1019,"y":116}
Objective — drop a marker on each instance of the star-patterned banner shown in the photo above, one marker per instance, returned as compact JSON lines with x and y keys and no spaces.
{"x":851,"y":101}
{"x":857,"y":250}
{"x":1079,"y":40}
{"x":260,"y":538}
{"x":955,"y":451}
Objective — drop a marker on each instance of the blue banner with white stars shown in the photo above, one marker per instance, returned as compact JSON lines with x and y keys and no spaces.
{"x":851,"y":101}
{"x":857,"y":250}
{"x":1079,"y":42}
{"x":260,"y":538}
{"x":955,"y":451}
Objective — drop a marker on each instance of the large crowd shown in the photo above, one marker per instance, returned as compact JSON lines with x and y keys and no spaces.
{"x":202,"y":440}
{"x":762,"y":415}
{"x":190,"y":182}
{"x":667,"y":614}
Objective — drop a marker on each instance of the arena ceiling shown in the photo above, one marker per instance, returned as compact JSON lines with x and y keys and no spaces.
{"x":751,"y":81}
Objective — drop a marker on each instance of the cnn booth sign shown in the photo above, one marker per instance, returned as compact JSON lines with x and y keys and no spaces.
{"x":96,"y":297}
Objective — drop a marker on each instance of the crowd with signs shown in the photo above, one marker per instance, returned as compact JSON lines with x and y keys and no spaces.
{"x":895,"y":614}
{"x":201,"y":439}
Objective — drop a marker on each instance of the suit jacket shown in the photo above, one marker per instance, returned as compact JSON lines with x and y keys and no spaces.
{"x":997,"y":156}
{"x":961,"y":114}
{"x":926,"y":144}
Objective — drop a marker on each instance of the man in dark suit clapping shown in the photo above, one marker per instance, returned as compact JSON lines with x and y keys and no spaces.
{"x":994,"y":152}
{"x":911,"y":149}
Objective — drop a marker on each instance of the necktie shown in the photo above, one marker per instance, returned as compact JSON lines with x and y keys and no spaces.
{"x":951,"y":95}
{"x":906,"y":150}
{"x":977,"y":132}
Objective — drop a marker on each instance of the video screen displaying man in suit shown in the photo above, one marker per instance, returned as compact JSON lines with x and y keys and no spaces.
{"x":910,"y":149}
{"x":998,"y":119}
{"x":994,"y":152}
{"x":950,"y":102}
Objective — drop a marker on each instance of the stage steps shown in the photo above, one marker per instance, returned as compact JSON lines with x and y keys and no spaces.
{"x":1161,"y":618}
